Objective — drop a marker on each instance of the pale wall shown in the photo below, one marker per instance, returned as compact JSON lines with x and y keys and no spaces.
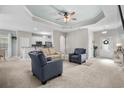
{"x":116,"y":35}
{"x":56,"y":39}
{"x":90,"y":44}
{"x":77,"y":39}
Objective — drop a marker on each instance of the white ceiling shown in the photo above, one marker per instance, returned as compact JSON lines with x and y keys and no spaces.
{"x":16,"y":18}
{"x":20,"y":18}
{"x":93,"y":17}
{"x":112,"y":18}
{"x":84,"y":14}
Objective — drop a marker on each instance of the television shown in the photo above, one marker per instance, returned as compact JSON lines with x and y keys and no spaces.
{"x":39,"y":43}
{"x":48,"y":44}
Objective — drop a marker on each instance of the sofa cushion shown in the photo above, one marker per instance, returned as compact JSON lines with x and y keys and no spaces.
{"x":52,"y":51}
{"x":45,"y":51}
{"x":55,"y":56}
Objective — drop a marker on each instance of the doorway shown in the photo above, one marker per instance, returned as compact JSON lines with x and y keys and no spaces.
{"x":62,"y":43}
{"x":106,"y":47}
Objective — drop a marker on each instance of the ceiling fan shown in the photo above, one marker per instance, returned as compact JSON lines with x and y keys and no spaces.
{"x":67,"y":16}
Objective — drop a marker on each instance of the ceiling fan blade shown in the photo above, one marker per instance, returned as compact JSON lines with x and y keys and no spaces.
{"x":62,"y":11}
{"x":73,"y":18}
{"x":72,"y":13}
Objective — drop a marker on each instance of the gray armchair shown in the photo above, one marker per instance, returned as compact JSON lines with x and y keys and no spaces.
{"x":79,"y":56}
{"x":43,"y":69}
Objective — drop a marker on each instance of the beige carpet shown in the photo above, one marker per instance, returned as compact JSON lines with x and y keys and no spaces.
{"x":94,"y":73}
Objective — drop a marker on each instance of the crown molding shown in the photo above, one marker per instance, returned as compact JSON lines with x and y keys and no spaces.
{"x":41,"y":20}
{"x":101,"y":28}
{"x":80,"y":25}
{"x":28,"y":11}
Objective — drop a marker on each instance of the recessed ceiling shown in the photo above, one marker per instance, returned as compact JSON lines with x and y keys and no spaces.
{"x":85,"y":15}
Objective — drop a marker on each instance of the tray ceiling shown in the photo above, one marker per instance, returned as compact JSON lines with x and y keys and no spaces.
{"x":85,"y":15}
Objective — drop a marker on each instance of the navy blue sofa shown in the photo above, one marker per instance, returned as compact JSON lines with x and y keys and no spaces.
{"x":43,"y":69}
{"x":79,"y":56}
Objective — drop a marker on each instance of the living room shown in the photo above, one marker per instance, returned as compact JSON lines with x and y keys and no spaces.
{"x":77,"y":42}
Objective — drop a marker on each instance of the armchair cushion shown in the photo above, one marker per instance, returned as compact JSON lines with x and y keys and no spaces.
{"x":75,"y":56}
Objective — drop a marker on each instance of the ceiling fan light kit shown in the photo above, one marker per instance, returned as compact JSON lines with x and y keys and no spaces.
{"x":67,"y":15}
{"x":67,"y":18}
